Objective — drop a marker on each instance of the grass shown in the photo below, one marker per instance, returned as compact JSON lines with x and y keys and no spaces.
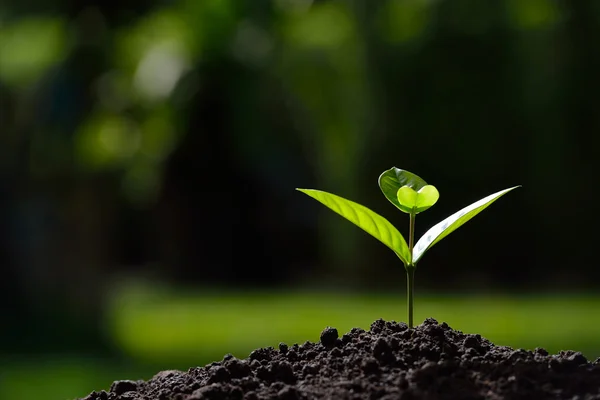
{"x":162,"y":329}
{"x":56,"y":377}
{"x":203,"y":326}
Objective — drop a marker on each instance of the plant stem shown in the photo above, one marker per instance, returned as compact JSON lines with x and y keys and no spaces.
{"x":410,"y":275}
{"x":411,"y":233}
{"x":410,"y":269}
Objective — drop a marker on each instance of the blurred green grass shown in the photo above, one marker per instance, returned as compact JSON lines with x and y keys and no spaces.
{"x":176,"y":328}
{"x":61,"y":377}
{"x":187,"y":326}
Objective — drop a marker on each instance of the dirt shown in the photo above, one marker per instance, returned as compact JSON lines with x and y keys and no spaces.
{"x":390,"y":361}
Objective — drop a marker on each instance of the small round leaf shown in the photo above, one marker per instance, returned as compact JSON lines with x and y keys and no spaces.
{"x":411,"y":201}
{"x":407,"y":199}
{"x":394,"y":178}
{"x":426,"y":197}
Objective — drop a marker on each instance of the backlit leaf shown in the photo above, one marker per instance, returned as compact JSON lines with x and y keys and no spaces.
{"x":371,"y":222}
{"x":413,"y":201}
{"x":394,"y":178}
{"x":453,"y":222}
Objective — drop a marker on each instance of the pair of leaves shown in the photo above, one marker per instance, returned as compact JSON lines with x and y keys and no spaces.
{"x":391,"y":182}
{"x":407,"y":191}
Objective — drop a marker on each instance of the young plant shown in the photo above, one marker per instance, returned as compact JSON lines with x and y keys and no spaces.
{"x":412,"y":195}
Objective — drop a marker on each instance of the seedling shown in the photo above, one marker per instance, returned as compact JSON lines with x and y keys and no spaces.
{"x":412,"y":195}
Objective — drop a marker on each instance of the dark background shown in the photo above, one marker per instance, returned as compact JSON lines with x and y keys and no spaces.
{"x":164,"y":140}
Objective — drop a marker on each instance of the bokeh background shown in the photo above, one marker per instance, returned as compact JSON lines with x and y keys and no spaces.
{"x":149,"y":151}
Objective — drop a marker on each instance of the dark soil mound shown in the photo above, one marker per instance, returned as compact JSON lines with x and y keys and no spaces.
{"x":389,"y":361}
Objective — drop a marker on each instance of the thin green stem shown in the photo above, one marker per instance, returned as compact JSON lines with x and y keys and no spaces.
{"x":411,"y":233}
{"x":410,"y":275}
{"x":410,"y":269}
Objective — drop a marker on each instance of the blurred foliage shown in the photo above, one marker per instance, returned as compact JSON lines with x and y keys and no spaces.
{"x":147,"y":110}
{"x":29,"y":47}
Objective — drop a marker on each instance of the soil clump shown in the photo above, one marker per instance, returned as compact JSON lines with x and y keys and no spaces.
{"x":389,"y":361}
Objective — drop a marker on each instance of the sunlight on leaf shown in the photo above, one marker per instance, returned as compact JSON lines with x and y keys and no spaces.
{"x":412,"y":201}
{"x":371,"y":222}
{"x":407,"y":198}
{"x":393,"y":179}
{"x":453,"y":222}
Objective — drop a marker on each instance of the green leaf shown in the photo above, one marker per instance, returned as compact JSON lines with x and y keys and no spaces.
{"x":453,"y":222}
{"x":371,"y":222}
{"x":393,"y":179}
{"x":412,"y":201}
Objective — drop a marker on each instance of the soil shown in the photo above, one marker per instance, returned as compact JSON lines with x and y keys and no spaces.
{"x":390,"y":361}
